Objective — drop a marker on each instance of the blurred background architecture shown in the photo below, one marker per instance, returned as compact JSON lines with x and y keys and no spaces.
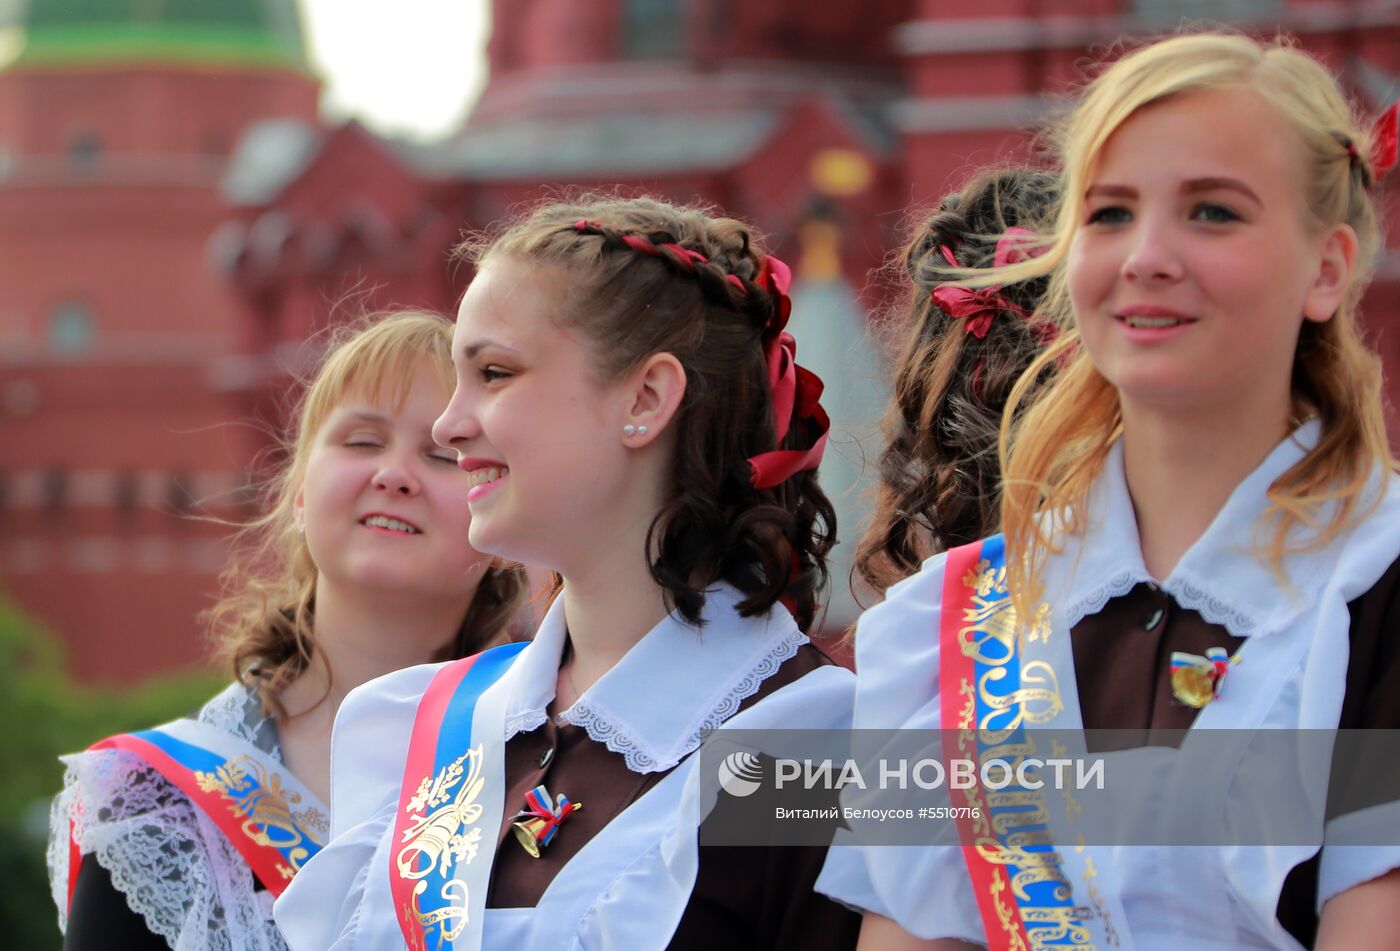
{"x":175,"y":222}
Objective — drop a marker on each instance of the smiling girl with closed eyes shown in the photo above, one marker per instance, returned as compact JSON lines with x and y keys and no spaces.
{"x":1201,"y":531}
{"x":181,"y":836}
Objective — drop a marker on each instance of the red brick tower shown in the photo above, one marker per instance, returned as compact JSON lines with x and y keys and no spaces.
{"x":116,"y":123}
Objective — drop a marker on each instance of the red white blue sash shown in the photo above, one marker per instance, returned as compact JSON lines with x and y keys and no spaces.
{"x":450,"y":807}
{"x":1022,"y":887}
{"x":269,"y":816}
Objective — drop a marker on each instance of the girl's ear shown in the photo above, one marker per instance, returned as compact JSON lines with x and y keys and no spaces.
{"x":1339,"y":247}
{"x":654,"y":392}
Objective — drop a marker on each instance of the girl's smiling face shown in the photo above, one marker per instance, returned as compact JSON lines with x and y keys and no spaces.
{"x":539,"y":435}
{"x":381,"y":504}
{"x":1194,"y":265}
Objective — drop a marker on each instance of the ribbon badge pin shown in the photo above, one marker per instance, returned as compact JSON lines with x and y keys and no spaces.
{"x":1197,"y":680}
{"x":536,"y":826}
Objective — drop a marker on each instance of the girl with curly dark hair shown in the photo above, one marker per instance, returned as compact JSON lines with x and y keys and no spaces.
{"x":962,"y":352}
{"x":632,"y":416}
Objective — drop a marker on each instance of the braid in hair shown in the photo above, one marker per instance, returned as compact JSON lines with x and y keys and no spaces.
{"x":939,"y":475}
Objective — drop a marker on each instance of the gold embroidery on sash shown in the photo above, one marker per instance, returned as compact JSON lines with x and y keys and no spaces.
{"x":256,"y":793}
{"x":991,"y":624}
{"x":1005,"y":915}
{"x":989,"y":636}
{"x":1056,"y":924}
{"x":992,"y":850}
{"x":1091,"y":873}
{"x":438,"y":838}
{"x":1073,"y":809}
{"x":968,"y":714}
{"x":1031,"y":876}
{"x":1043,"y":691}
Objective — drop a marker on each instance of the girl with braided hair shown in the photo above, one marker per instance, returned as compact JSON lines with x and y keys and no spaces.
{"x":1199,"y":550}
{"x":962,"y":353}
{"x":631,"y":414}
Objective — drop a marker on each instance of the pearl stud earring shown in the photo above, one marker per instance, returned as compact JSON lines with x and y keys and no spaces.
{"x":629,"y":430}
{"x":641,"y":430}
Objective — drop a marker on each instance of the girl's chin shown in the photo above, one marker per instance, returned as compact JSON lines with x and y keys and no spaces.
{"x":492,"y":542}
{"x":1167,"y":396}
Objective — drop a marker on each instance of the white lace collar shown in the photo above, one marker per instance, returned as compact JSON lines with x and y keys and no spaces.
{"x":673,"y":687}
{"x":1221,"y":575}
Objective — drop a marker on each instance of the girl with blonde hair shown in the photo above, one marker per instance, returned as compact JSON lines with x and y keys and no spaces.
{"x":182,"y":835}
{"x":1201,"y":531}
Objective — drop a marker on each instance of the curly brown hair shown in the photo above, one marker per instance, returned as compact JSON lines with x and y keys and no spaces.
{"x":638,"y":285}
{"x":262,"y":623}
{"x":939,"y":475}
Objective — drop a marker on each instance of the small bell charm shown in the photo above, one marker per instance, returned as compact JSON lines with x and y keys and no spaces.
{"x":536,"y":826}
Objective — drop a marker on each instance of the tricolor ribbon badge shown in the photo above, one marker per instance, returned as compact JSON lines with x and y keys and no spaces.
{"x":536,"y":826}
{"x":1197,"y":680}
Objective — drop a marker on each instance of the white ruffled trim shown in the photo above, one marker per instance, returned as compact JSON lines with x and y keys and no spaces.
{"x":1240,"y":622}
{"x":524,"y":722}
{"x":237,"y":710}
{"x":1093,"y":601}
{"x":171,"y":862}
{"x":601,"y":727}
{"x":1214,"y":610}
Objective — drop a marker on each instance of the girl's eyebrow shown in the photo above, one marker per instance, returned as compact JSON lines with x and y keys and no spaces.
{"x":345,"y":419}
{"x":1216,"y":184}
{"x":1110,"y":191}
{"x":472,"y":349}
{"x":1194,"y":186}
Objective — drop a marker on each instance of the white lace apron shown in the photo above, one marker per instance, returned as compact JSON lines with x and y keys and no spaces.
{"x":170,"y":861}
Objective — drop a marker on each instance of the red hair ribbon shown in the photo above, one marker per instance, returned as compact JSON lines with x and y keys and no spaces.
{"x":642,"y":245}
{"x":980,"y":306}
{"x":1385,"y":135}
{"x":796,"y":390}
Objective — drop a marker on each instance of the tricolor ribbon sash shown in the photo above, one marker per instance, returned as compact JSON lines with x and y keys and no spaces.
{"x":442,"y":821}
{"x":988,"y":695}
{"x":273,"y":821}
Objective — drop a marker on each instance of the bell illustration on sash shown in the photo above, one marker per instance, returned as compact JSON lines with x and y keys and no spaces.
{"x":535,"y":827}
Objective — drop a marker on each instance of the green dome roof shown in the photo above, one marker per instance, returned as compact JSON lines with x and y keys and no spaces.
{"x":229,"y":32}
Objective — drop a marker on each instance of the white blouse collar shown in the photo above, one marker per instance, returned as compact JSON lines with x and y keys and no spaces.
{"x":1221,"y":575}
{"x":672,"y":688}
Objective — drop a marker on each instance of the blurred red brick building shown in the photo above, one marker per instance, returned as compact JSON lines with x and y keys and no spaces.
{"x":117,"y":121}
{"x":174,"y":222}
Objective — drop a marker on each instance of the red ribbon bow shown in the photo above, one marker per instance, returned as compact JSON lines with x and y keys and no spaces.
{"x":1385,"y":141}
{"x":980,"y":306}
{"x":796,"y":390}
